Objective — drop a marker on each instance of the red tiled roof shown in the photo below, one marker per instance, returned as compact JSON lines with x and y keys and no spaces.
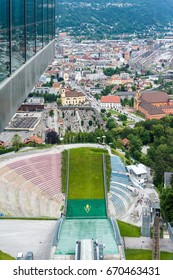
{"x":72,"y":93}
{"x":110,"y":99}
{"x":125,"y":141}
{"x":155,"y":96}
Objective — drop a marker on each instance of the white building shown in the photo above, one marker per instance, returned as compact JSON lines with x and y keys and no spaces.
{"x":110,"y":102}
{"x":138,"y":173}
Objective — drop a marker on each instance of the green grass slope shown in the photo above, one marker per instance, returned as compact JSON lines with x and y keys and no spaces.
{"x":4,"y":256}
{"x":137,"y":254}
{"x":86,"y":174}
{"x":128,"y":229}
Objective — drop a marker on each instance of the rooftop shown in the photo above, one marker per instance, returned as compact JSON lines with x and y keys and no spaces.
{"x":110,"y":99}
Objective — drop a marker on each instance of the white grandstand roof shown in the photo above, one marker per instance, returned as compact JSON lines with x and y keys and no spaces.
{"x":137,"y":169}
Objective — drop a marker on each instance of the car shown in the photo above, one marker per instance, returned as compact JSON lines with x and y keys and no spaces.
{"x":20,"y":256}
{"x":29,"y":255}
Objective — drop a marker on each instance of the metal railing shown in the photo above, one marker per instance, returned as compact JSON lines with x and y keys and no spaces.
{"x":170,"y":231}
{"x":156,"y":239}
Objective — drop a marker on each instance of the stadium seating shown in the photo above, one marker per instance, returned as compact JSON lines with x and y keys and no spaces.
{"x":32,"y":186}
{"x":121,"y":186}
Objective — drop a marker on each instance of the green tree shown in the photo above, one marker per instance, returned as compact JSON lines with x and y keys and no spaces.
{"x":16,"y":142}
{"x":51,"y":113}
{"x":59,"y":101}
{"x":166,"y":199}
{"x":90,"y":123}
{"x":122,"y":117}
{"x":110,"y":124}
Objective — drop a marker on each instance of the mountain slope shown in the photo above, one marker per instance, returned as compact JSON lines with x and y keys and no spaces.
{"x":108,"y":18}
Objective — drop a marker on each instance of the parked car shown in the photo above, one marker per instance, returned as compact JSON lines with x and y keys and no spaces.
{"x":29,"y":256}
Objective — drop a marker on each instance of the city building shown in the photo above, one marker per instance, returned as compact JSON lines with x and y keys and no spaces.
{"x":27,"y":30}
{"x":72,"y":97}
{"x":153,"y":104}
{"x":138,"y":173}
{"x":110,"y":101}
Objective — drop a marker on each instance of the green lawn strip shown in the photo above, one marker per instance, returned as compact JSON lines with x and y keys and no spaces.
{"x":128,"y":229}
{"x":4,"y":256}
{"x":138,"y":254}
{"x":86,"y":174}
{"x":114,"y":112}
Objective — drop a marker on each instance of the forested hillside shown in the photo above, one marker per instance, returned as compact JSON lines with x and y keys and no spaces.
{"x":105,"y":19}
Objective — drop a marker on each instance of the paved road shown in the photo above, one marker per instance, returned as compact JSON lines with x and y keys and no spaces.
{"x":25,"y":235}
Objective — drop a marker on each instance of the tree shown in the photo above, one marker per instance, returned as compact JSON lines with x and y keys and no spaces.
{"x":59,"y":101}
{"x":52,"y":138}
{"x":166,"y":199}
{"x":103,"y":111}
{"x":110,"y":124}
{"x":16,"y":142}
{"x":122,"y":117}
{"x":108,"y":115}
{"x":51,"y":113}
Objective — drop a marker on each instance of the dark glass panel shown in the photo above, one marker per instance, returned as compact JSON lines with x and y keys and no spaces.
{"x":45,"y":22}
{"x":18,"y":34}
{"x":4,"y":40}
{"x":39,"y":17}
{"x":30,"y":28}
{"x":50,"y":19}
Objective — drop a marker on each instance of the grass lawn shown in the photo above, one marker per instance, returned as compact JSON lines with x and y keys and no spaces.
{"x":4,"y":256}
{"x":137,"y":254}
{"x":128,"y":229}
{"x":86,"y":174}
{"x":114,"y":112}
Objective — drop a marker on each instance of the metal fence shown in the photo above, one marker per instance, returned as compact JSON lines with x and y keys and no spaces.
{"x":170,"y":230}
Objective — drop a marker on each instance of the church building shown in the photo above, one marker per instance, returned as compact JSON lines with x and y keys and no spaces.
{"x":153,"y":104}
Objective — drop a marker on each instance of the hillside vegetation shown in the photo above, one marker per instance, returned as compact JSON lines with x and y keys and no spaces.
{"x":4,"y":256}
{"x":105,"y":19}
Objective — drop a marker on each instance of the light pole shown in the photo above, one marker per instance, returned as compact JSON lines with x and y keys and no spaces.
{"x":98,"y":139}
{"x":110,"y":144}
{"x":103,"y":137}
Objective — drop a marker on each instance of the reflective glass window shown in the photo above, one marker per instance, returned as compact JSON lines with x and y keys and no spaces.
{"x":30,"y":28}
{"x":50,"y":20}
{"x":45,"y":22}
{"x":39,"y":20}
{"x":18,"y":34}
{"x":4,"y":40}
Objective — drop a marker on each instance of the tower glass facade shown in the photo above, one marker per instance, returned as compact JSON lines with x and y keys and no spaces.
{"x":26,"y":26}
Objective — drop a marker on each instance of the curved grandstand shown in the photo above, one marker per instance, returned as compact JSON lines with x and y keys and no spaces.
{"x":122,"y":192}
{"x":31,"y":186}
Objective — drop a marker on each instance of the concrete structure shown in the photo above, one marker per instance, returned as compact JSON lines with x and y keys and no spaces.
{"x":88,"y":249}
{"x":26,"y":48}
{"x":27,"y":189}
{"x":167,"y":178}
{"x":15,"y":89}
{"x":138,"y":172}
